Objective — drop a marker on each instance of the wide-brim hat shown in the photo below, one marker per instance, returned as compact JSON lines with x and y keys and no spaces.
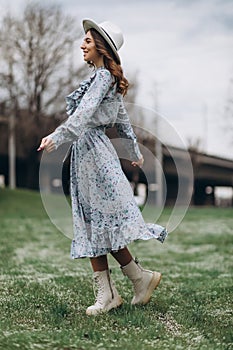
{"x":110,"y":32}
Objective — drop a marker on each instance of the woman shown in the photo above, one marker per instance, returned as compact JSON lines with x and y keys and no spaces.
{"x":105,"y":215}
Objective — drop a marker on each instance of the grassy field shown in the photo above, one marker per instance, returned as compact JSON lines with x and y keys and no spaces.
{"x":44,"y":294}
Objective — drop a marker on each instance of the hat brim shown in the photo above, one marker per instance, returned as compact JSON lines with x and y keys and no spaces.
{"x":89,"y":24}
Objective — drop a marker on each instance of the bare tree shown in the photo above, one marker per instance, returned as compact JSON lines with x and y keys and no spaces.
{"x":194,"y":144}
{"x":133,"y":87}
{"x":135,"y":111}
{"x":37,"y":51}
{"x":37,"y":70}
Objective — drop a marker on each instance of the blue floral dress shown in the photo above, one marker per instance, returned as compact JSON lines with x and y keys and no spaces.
{"x":105,"y":215}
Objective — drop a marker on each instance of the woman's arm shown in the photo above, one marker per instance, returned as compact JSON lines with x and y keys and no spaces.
{"x":72,"y":128}
{"x":125,"y":130}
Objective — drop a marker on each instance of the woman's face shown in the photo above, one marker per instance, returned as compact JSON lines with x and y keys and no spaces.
{"x":89,"y":49}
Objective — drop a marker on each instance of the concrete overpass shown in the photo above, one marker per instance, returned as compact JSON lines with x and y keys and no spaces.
{"x":209,"y":172}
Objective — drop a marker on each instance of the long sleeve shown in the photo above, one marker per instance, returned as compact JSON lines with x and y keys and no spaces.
{"x":125,"y":130}
{"x":81,"y":119}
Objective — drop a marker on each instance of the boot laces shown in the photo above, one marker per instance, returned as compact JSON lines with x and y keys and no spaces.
{"x":98,"y":289}
{"x":137,"y":281}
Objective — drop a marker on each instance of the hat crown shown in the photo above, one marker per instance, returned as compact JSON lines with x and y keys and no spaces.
{"x":113,"y":32}
{"x":110,"y":32}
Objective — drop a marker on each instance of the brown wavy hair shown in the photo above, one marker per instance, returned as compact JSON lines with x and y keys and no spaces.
{"x":110,"y":62}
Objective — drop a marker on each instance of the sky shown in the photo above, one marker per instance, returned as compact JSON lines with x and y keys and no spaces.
{"x":181,"y":52}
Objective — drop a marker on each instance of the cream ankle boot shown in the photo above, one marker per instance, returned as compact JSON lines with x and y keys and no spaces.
{"x":144,"y":282}
{"x":107,"y":296}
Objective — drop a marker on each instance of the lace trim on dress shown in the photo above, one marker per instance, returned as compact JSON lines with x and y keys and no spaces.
{"x":74,"y":98}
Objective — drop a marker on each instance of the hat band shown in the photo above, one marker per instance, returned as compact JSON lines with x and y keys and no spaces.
{"x":109,"y":38}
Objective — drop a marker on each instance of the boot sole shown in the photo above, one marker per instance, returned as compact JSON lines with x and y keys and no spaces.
{"x":113,"y":305}
{"x":155,"y":280}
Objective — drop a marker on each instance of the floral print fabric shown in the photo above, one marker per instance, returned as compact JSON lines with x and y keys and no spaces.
{"x":105,"y":215}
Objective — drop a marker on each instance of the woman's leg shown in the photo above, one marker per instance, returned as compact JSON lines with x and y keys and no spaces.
{"x":99,"y":263}
{"x":107,"y":296}
{"x":122,"y":256}
{"x":144,"y":281}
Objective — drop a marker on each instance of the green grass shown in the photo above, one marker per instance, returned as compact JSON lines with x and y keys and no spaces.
{"x":44,"y":294}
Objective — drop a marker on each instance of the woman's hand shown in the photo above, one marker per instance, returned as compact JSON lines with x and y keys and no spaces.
{"x":47,"y":144}
{"x":138,"y":163}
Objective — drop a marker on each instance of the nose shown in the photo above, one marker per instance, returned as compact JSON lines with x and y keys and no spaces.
{"x":82,"y":45}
